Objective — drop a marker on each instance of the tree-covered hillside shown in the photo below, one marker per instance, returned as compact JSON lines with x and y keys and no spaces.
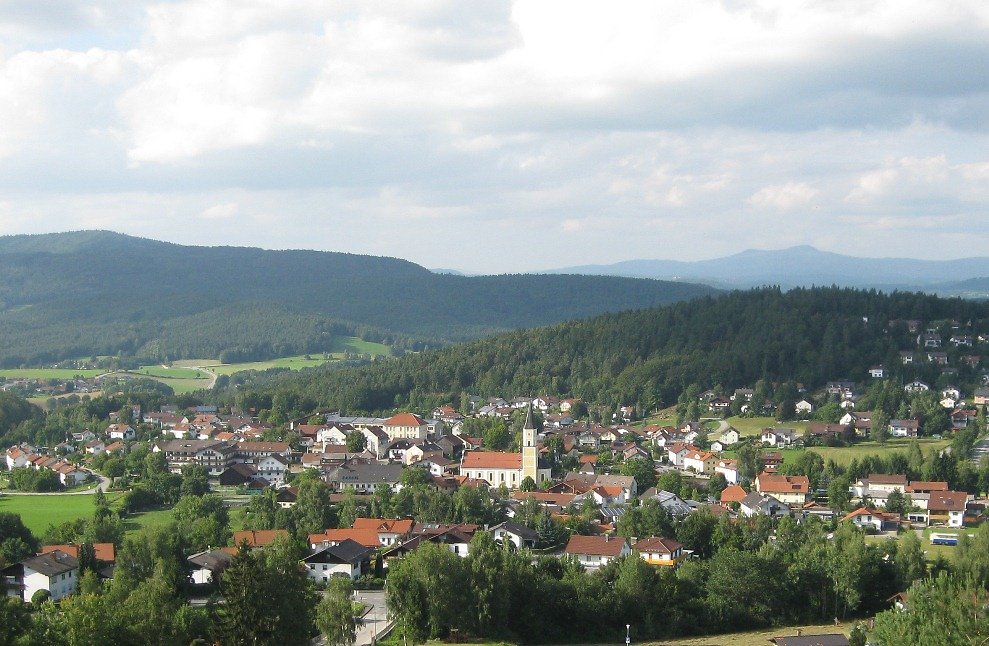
{"x":79,"y":294}
{"x":649,"y":357}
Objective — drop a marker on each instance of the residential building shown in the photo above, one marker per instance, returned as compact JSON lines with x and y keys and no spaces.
{"x":791,"y":490}
{"x":661,"y":552}
{"x":55,"y":572}
{"x":595,"y":551}
{"x":347,"y":558}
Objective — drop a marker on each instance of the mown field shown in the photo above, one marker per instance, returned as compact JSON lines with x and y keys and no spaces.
{"x":48,"y":373}
{"x":38,"y":512}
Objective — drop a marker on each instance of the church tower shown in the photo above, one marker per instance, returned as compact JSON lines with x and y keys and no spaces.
{"x":530,"y":452}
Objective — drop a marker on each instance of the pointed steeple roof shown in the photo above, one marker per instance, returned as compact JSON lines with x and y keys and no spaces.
{"x":528,"y":419}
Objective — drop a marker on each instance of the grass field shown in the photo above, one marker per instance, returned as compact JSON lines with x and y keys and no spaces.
{"x":38,"y":512}
{"x":844,"y":455}
{"x":48,"y":373}
{"x":752,"y":426}
{"x":171,"y":372}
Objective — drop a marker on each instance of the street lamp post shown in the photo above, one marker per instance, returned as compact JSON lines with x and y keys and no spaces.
{"x":628,"y":636}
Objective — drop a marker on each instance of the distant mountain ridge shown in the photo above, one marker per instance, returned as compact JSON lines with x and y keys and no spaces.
{"x":805,"y":266}
{"x":67,"y":295}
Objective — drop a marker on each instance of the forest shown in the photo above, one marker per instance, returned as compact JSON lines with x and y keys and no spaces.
{"x":87,"y":293}
{"x":649,"y":357}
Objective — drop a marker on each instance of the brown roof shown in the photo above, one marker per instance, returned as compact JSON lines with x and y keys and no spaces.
{"x":883,"y":478}
{"x":772,"y":483}
{"x":386,"y":525}
{"x":404,"y":419}
{"x":947,"y":501}
{"x":258,"y":537}
{"x":734,"y":493}
{"x":366,"y":537}
{"x":923,"y":486}
{"x":657,"y":544}
{"x":599,"y":545}
{"x":104,"y":551}
{"x":492,"y":460}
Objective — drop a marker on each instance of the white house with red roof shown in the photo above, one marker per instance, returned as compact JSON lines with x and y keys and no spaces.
{"x":791,"y":490}
{"x":405,"y":426}
{"x":662,"y":552}
{"x":595,"y":551}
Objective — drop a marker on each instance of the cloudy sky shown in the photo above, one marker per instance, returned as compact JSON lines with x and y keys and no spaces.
{"x":502,"y":136}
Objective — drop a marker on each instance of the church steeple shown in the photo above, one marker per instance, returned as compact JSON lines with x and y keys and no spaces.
{"x":530,"y":453}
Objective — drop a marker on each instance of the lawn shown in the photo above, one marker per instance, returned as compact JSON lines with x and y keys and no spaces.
{"x":844,"y":455}
{"x":140,"y":520}
{"x":38,"y":512}
{"x":171,"y":373}
{"x":47,"y":373}
{"x":752,"y":426}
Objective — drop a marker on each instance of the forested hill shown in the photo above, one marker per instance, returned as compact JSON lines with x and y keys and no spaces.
{"x":78,"y":294}
{"x":649,"y":357}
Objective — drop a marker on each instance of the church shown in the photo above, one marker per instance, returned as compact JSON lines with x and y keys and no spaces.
{"x":499,"y":468}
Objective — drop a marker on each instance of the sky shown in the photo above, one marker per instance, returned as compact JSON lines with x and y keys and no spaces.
{"x":496,"y":137}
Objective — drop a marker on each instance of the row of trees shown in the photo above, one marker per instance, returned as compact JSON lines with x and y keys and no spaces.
{"x":801,"y":576}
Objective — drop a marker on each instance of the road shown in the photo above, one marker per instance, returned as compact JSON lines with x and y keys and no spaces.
{"x":103,"y":485}
{"x":980,"y":450}
{"x":375,"y":621}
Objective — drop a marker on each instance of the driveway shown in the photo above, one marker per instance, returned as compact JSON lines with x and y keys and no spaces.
{"x":375,"y":621}
{"x":980,"y":450}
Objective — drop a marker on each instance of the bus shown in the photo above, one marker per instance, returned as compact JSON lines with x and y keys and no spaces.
{"x":944,"y":539}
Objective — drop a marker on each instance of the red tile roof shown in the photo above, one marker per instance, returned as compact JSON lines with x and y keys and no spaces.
{"x":404,"y":419}
{"x":657,"y":544}
{"x":598,"y":545}
{"x":104,"y":551}
{"x":258,"y":537}
{"x":492,"y":460}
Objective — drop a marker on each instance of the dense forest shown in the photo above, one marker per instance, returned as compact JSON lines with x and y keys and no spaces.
{"x":73,"y":295}
{"x":650,"y":357}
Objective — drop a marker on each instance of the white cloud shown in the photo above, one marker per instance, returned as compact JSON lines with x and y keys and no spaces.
{"x":643,"y":129}
{"x":221,"y":211}
{"x":783,"y":197}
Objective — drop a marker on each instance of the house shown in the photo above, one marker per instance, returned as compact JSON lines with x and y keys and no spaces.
{"x":120,"y":432}
{"x":920,"y":486}
{"x":961,"y":418}
{"x":906,"y":357}
{"x":258,"y":537}
{"x":733,"y":493}
{"x":16,"y":458}
{"x":878,"y":482}
{"x":729,"y":469}
{"x":779,"y":436}
{"x":676,"y":451}
{"x":754,"y":504}
{"x":904,"y":427}
{"x":915,"y":387}
{"x":208,"y":566}
{"x":347,"y":558}
{"x":105,"y":552}
{"x":804,"y":407}
{"x":672,"y":503}
{"x":405,"y":426}
{"x":272,"y":468}
{"x":95,"y":447}
{"x":661,"y":552}
{"x":841,"y":388}
{"x":938,"y":358}
{"x":55,"y":572}
{"x":824,"y":431}
{"x":877,"y":372}
{"x":595,"y":551}
{"x":363,"y":477}
{"x":366,"y":536}
{"x":792,"y":490}
{"x":947,"y":507}
{"x":929,"y":340}
{"x":700,"y":461}
{"x":389,"y":531}
{"x":870,"y":518}
{"x":518,"y":535}
{"x":981,"y":397}
{"x":287,"y":497}
{"x":730,"y":437}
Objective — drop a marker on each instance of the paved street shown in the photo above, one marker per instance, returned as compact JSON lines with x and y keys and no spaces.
{"x":375,"y":620}
{"x":980,"y":450}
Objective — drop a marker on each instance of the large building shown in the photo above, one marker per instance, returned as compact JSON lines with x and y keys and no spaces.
{"x":405,"y":426}
{"x":218,"y":455}
{"x":499,"y":468}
